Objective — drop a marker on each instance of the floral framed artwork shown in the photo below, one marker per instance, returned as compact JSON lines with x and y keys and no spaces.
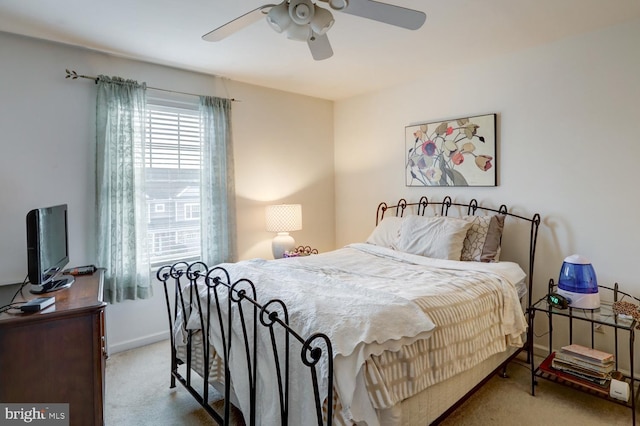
{"x":457,"y":152}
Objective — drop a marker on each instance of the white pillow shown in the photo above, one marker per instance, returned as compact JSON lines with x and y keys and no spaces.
{"x":387,"y":232}
{"x":438,"y":237}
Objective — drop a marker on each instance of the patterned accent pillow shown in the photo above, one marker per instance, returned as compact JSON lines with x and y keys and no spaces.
{"x":482,"y":243}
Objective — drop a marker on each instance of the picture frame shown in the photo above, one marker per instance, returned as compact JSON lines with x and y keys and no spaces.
{"x":455,"y":152}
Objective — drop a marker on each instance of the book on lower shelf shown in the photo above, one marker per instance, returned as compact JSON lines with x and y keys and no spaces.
{"x":590,"y":355}
{"x":586,"y":363}
{"x":583,"y":373}
{"x":547,"y":367}
{"x":570,"y":359}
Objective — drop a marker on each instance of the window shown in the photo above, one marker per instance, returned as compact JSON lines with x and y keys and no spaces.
{"x":172,"y":180}
{"x":186,"y":142}
{"x":192,"y":211}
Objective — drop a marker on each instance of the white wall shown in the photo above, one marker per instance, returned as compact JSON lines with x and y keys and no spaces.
{"x":282,"y":142}
{"x":568,"y":147}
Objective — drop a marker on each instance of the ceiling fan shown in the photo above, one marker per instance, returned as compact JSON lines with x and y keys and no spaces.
{"x":304,"y":20}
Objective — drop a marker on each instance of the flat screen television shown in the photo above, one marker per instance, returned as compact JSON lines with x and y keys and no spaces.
{"x":48,"y":249}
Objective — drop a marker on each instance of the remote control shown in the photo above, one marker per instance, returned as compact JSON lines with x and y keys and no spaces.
{"x":81,"y":270}
{"x":37,"y":304}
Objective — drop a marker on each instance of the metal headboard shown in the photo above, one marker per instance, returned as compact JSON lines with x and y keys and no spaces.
{"x":473,"y":208}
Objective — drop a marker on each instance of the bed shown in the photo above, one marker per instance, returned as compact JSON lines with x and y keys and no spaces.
{"x":396,"y":330}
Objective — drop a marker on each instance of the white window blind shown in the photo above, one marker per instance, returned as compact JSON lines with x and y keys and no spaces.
{"x":172,"y":180}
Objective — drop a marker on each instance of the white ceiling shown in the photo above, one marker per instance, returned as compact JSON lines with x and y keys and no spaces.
{"x":368,"y":55}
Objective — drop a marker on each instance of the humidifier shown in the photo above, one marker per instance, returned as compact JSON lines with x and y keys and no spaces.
{"x":578,"y":283}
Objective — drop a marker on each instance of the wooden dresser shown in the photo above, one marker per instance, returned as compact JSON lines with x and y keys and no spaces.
{"x":58,"y":355}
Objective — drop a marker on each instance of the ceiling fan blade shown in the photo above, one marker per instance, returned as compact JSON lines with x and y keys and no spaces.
{"x":320,"y":47}
{"x":236,"y":24}
{"x":387,"y":13}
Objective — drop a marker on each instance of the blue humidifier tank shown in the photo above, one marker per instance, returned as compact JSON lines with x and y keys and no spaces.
{"x":578,"y":283}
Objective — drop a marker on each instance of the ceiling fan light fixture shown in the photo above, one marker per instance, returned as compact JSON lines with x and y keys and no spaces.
{"x":338,"y":4}
{"x":278,"y":17}
{"x":299,"y":32}
{"x":301,"y":11}
{"x":304,"y":20}
{"x":322,"y":20}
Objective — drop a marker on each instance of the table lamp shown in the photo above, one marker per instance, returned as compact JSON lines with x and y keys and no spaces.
{"x":283,"y":218}
{"x":578,"y":283}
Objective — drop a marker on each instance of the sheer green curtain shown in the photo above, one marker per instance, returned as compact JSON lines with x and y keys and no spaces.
{"x":121,"y":239}
{"x":217,"y":190}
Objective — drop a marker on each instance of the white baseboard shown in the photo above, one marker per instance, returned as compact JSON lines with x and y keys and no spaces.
{"x":136,"y":343}
{"x":540,"y":350}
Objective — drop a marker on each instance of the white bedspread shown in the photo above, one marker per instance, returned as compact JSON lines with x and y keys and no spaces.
{"x":364,"y":298}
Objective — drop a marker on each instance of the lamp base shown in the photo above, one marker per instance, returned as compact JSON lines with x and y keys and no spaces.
{"x":281,"y":243}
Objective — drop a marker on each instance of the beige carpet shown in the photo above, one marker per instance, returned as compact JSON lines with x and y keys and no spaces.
{"x":138,"y":393}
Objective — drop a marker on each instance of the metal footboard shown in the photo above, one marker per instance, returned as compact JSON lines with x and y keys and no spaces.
{"x":220,"y":303}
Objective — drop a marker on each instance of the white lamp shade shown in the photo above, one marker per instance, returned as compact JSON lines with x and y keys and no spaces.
{"x":284,"y":217}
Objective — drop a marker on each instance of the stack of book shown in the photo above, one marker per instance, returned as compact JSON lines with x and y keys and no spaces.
{"x":588,"y":364}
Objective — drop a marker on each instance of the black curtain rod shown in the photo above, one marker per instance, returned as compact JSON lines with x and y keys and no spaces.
{"x":74,"y":76}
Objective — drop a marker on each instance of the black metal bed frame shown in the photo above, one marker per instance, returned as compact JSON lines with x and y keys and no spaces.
{"x":188,"y":278}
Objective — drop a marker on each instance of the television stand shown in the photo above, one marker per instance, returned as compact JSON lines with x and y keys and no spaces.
{"x":57,"y":356}
{"x":62,"y":281}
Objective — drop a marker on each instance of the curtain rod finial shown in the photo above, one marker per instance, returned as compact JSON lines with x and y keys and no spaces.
{"x":74,"y":76}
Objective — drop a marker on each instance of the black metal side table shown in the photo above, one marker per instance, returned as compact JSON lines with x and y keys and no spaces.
{"x":602,"y":317}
